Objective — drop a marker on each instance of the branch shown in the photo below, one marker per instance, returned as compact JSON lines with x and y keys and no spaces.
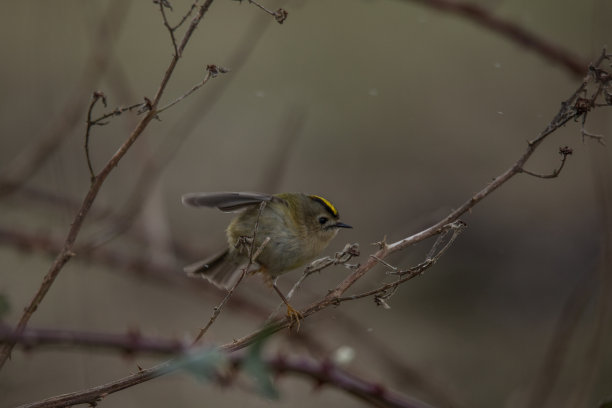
{"x":33,"y":157}
{"x":140,"y":267}
{"x":67,"y":253}
{"x":162,"y":5}
{"x":564,"y":152}
{"x":130,"y":343}
{"x":211,"y":72}
{"x":96,"y":97}
{"x":322,"y":373}
{"x":253,"y":254}
{"x":382,"y":294}
{"x":481,"y":16}
{"x":279,"y":15}
{"x":567,"y":112}
{"x":182,"y":128}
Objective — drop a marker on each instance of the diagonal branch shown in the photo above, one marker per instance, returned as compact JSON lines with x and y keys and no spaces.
{"x":29,"y":161}
{"x":67,"y":253}
{"x":512,"y":31}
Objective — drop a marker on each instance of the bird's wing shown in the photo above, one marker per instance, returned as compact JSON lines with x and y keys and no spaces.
{"x":226,"y":201}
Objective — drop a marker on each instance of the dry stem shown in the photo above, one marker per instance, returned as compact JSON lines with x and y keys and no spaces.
{"x":66,"y":254}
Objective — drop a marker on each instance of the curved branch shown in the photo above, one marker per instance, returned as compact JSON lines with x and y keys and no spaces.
{"x":481,"y":16}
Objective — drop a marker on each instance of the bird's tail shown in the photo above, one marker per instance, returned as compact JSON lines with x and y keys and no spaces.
{"x":220,"y":270}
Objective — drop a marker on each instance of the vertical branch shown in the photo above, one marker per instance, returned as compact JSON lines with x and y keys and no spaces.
{"x":96,"y":97}
{"x":253,"y":254}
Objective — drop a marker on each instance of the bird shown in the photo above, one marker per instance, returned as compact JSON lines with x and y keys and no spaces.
{"x":284,"y":231}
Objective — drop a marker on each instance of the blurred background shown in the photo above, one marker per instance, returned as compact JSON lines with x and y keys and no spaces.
{"x":394,"y":111}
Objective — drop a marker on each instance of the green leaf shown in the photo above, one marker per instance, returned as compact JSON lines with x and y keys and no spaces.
{"x":203,"y":365}
{"x":254,"y":366}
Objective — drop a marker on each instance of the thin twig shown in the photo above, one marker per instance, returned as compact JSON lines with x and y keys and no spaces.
{"x":279,"y":15}
{"x":252,"y":258}
{"x":116,"y":112}
{"x":381,"y":293}
{"x":177,"y":135}
{"x":35,"y":155}
{"x":186,"y":16}
{"x":324,"y":372}
{"x":211,"y":72}
{"x":599,"y":138}
{"x":162,"y":6}
{"x":129,"y":343}
{"x":564,"y":152}
{"x":96,"y":97}
{"x":67,"y":252}
{"x":349,"y":251}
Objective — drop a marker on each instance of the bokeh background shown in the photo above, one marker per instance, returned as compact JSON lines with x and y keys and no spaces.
{"x":396,"y":112}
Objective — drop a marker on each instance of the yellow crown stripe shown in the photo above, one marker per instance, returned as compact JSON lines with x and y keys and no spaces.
{"x":328,"y":206}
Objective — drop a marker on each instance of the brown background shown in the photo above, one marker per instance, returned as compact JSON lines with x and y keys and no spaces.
{"x":395,"y":112}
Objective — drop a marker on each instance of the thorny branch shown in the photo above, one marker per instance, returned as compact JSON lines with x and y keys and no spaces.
{"x":67,"y":252}
{"x":253,"y":254}
{"x":383,"y":293}
{"x":129,"y":343}
{"x":211,"y":72}
{"x":340,"y":258}
{"x":321,"y":372}
{"x":568,"y":111}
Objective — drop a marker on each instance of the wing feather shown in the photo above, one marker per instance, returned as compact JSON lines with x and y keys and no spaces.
{"x":226,"y":201}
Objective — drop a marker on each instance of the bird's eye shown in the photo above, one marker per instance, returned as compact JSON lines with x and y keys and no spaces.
{"x":323,"y":220}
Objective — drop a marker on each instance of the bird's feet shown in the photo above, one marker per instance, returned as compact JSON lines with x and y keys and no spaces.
{"x":294,"y":317}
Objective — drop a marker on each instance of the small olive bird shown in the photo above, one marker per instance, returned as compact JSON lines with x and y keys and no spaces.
{"x":295,"y":226}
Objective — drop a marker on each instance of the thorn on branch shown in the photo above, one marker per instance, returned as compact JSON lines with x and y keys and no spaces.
{"x":381,"y":244}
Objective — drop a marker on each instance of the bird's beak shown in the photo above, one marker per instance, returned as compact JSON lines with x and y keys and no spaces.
{"x":341,"y":225}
